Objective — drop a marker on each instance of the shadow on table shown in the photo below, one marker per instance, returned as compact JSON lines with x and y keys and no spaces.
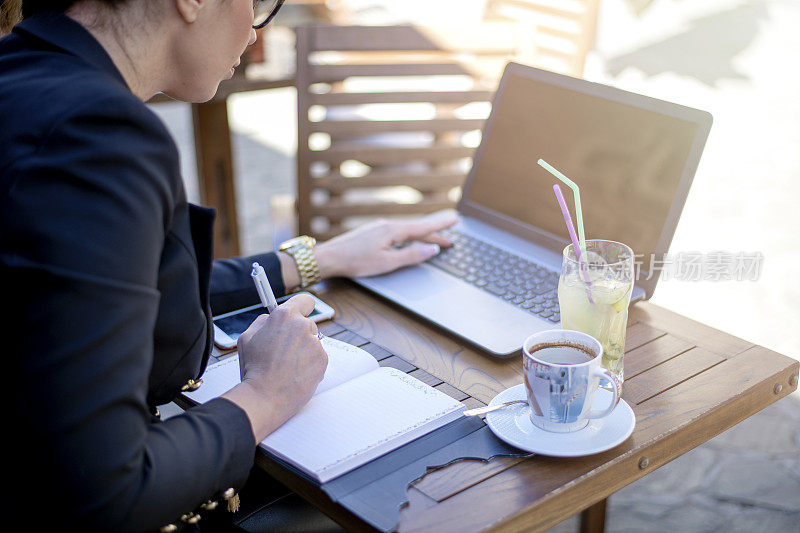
{"x":705,"y":51}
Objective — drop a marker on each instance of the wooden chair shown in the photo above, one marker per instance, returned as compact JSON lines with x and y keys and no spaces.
{"x":383,"y":122}
{"x":565,"y":30}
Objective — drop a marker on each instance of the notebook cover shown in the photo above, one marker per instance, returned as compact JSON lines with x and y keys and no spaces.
{"x":376,"y":491}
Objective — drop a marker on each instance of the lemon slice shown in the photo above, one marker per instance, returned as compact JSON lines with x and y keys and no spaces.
{"x":622,"y":303}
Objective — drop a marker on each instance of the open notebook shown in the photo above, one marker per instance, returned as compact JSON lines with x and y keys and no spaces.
{"x":359,"y":412}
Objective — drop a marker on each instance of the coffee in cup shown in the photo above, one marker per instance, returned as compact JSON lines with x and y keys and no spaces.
{"x":562,"y":371}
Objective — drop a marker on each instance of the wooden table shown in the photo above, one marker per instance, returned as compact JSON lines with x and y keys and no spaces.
{"x":685,"y":381}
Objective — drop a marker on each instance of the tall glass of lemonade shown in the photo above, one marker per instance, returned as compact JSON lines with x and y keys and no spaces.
{"x":594,"y":294}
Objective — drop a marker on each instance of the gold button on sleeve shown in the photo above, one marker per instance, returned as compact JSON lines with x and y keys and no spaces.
{"x":210,"y":505}
{"x":192,"y":385}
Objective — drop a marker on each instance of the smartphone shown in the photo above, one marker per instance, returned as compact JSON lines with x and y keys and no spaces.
{"x":229,"y":326}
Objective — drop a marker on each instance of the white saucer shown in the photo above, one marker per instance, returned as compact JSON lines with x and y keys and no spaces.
{"x":513,"y":425}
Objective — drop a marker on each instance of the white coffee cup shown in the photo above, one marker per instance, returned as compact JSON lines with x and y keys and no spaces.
{"x":563,"y":369}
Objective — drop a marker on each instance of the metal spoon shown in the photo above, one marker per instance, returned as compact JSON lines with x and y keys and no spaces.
{"x":490,"y":408}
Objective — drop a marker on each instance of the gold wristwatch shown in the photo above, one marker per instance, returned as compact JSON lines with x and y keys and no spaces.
{"x":302,"y":250}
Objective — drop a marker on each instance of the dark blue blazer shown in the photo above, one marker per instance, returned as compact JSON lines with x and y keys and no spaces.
{"x":107,"y":281}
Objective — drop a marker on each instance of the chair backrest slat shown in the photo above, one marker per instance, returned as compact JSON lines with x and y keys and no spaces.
{"x":572,"y":24}
{"x":436,"y":97}
{"x":387,"y":123}
{"x":430,"y":181}
{"x":494,"y":38}
{"x":353,"y":128}
{"x":377,"y":155}
{"x":328,"y":73}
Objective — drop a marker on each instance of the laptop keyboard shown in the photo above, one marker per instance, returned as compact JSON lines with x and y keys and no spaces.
{"x":525,"y":284}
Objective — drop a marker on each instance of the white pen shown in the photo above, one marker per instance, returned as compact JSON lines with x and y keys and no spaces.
{"x":263,"y":287}
{"x":265,"y":290}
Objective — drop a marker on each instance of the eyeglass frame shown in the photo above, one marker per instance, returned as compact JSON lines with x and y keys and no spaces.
{"x":271,"y":15}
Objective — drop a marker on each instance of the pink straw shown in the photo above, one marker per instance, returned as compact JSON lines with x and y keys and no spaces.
{"x":574,"y":237}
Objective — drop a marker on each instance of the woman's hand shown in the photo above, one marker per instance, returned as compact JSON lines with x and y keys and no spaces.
{"x":370,"y":250}
{"x":281,"y":362}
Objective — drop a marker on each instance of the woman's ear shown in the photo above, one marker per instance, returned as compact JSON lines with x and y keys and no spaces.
{"x":189,"y":10}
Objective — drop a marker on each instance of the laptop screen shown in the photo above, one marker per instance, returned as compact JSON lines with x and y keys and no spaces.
{"x":628,"y":161}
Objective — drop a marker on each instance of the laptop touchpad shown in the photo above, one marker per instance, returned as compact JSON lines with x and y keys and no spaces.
{"x":416,"y":283}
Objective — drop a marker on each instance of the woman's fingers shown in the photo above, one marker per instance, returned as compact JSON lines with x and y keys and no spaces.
{"x":303,"y":303}
{"x":412,"y":254}
{"x":435,"y":238}
{"x":425,"y":226}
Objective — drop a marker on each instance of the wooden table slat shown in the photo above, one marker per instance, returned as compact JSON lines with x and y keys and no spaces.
{"x":419,"y":499}
{"x":669,"y":374}
{"x":472,"y":403}
{"x":425,"y":377}
{"x":452,"y":391}
{"x":398,"y":363}
{"x":654,"y":353}
{"x":350,"y":337}
{"x":377,"y":352}
{"x":445,"y":482}
{"x":727,"y":382}
{"x":640,"y":334}
{"x":330,"y":328}
{"x":694,"y":332}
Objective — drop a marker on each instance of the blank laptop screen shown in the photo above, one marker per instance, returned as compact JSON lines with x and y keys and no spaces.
{"x":627,"y":161}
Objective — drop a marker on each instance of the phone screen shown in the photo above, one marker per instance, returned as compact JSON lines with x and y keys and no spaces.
{"x":235,"y":324}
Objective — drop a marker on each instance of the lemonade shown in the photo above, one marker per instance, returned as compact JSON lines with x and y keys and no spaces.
{"x":609,"y":273}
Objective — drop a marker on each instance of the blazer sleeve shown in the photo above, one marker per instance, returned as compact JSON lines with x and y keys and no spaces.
{"x":85,"y":221}
{"x":232,"y":287}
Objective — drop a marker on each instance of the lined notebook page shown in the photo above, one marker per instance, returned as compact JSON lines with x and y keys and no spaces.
{"x":345,"y":362}
{"x":360,"y":420}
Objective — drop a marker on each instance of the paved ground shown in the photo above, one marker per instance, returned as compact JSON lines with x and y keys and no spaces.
{"x":737,"y":60}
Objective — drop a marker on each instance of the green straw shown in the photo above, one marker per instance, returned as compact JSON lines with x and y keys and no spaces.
{"x":576,"y":193}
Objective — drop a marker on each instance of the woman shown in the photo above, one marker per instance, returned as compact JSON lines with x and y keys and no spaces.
{"x":108,"y":271}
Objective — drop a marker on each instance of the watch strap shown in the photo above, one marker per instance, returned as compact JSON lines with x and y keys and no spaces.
{"x":306,"y":261}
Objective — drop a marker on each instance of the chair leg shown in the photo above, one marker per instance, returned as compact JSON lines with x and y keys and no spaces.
{"x":593,"y":519}
{"x":214,"y":157}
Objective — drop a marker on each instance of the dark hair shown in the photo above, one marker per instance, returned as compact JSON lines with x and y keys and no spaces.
{"x":10,"y":14}
{"x":31,"y":7}
{"x":13,"y":11}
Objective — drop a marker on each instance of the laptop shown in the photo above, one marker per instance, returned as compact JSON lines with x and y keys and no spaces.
{"x":634,"y":158}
